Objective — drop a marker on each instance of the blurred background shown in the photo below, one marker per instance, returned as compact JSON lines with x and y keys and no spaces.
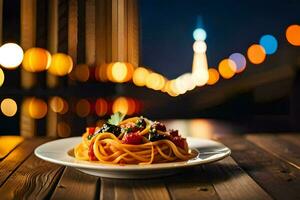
{"x":69,"y":64}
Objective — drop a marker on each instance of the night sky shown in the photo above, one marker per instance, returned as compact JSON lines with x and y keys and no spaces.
{"x":231,"y":26}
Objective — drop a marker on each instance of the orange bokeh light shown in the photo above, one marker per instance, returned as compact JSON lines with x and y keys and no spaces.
{"x":82,"y":72}
{"x":139,"y":76}
{"x":83,"y":108}
{"x":256,"y":54}
{"x":293,"y":34}
{"x":37,"y":108}
{"x":120,"y":105}
{"x":9,"y":107}
{"x":227,"y":68}
{"x":213,"y":76}
{"x":101,"y":107}
{"x":36,"y":60}
{"x":61,"y":64}
{"x":63,"y":129}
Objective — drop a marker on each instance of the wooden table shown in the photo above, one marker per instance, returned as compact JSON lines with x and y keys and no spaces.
{"x":262,"y":166}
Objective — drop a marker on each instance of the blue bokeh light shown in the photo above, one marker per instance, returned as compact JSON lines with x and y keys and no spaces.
{"x":239,"y":60}
{"x":269,"y":43}
{"x":199,"y":34}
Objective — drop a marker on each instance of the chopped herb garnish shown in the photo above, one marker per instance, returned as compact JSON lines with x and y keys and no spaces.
{"x":116,"y":118}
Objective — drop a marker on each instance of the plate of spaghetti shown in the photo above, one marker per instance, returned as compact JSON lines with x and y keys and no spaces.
{"x":132,"y":148}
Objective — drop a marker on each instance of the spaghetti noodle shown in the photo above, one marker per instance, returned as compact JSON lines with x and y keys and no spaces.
{"x":136,"y":140}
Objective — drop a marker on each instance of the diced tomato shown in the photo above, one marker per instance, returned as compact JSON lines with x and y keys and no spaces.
{"x":91,"y":153}
{"x":132,"y":138}
{"x":91,"y":130}
{"x":179,"y":141}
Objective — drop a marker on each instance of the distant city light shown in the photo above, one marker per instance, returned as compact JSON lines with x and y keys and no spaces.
{"x":269,"y":43}
{"x":9,"y":107}
{"x":120,"y":105}
{"x":37,"y":108}
{"x":227,"y":68}
{"x":11,"y":55}
{"x":101,"y":107}
{"x":293,"y":34}
{"x":199,"y":46}
{"x":213,"y":76}
{"x":83,"y":108}
{"x":56,"y":104}
{"x":2,"y":77}
{"x":82,"y":72}
{"x":239,"y":60}
{"x":199,"y":34}
{"x":155,"y":81}
{"x":256,"y":54}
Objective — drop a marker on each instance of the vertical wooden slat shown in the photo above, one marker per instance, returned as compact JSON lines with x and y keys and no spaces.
{"x":53,"y":48}
{"x":122,"y":30}
{"x":72,"y":29}
{"x":90,"y":28}
{"x":133,"y":32}
{"x":28,"y":40}
{"x":81,"y":32}
{"x":114,"y":30}
{"x":101,"y":32}
{"x":52,"y":80}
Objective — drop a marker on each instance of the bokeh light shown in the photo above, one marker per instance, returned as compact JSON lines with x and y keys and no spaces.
{"x":63,"y":129}
{"x":269,"y":43}
{"x":256,"y":54}
{"x":155,"y":81}
{"x":199,"y":46}
{"x":293,"y":34}
{"x":171,"y":88}
{"x":120,"y":105}
{"x":199,"y":34}
{"x":9,"y":107}
{"x":36,"y":60}
{"x":120,"y":72}
{"x":37,"y":108}
{"x":239,"y":60}
{"x":2,"y":77}
{"x":61,"y":64}
{"x":82,"y":72}
{"x":227,"y":68}
{"x":56,"y":104}
{"x":83,"y":108}
{"x":11,"y":55}
{"x":213,"y":76}
{"x":101,"y":107}
{"x":139,"y":76}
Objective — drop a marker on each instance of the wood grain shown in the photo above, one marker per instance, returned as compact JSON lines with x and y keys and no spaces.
{"x":11,"y":162}
{"x":280,"y":148}
{"x":150,"y":189}
{"x":278,"y":178}
{"x":191,"y":185}
{"x":293,"y":138}
{"x":231,"y":182}
{"x":34,"y":179}
{"x":76,"y":185}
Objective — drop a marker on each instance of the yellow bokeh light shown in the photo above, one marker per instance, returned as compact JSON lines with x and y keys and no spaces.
{"x":120,"y":105}
{"x":213,"y":76}
{"x":56,"y":104}
{"x":63,"y":129}
{"x":36,"y":60}
{"x":83,"y":108}
{"x":139,"y":76}
{"x":119,"y":72}
{"x":171,"y":88}
{"x":227,"y":68}
{"x":37,"y":108}
{"x":101,"y":107}
{"x":61,"y":64}
{"x":9,"y":107}
{"x":155,"y":81}
{"x":2,"y":77}
{"x":11,"y":55}
{"x":199,"y":46}
{"x":256,"y":54}
{"x":82,"y":72}
{"x":293,"y":34}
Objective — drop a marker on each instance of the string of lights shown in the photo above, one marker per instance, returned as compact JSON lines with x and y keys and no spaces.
{"x":59,"y":64}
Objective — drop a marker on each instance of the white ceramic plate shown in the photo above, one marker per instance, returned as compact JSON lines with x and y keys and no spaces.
{"x":57,"y":152}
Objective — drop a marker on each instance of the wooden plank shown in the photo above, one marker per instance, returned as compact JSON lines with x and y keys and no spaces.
{"x":150,"y":189}
{"x":72,"y":29}
{"x":11,"y":162}
{"x":231,"y":182}
{"x":8,"y":143}
{"x":133,"y":32}
{"x":101,"y":32}
{"x":191,"y":185}
{"x":107,"y":189}
{"x":280,"y":148}
{"x":291,"y":137}
{"x":76,"y":185}
{"x":34,"y":179}
{"x":278,"y":178}
{"x":90,"y":32}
